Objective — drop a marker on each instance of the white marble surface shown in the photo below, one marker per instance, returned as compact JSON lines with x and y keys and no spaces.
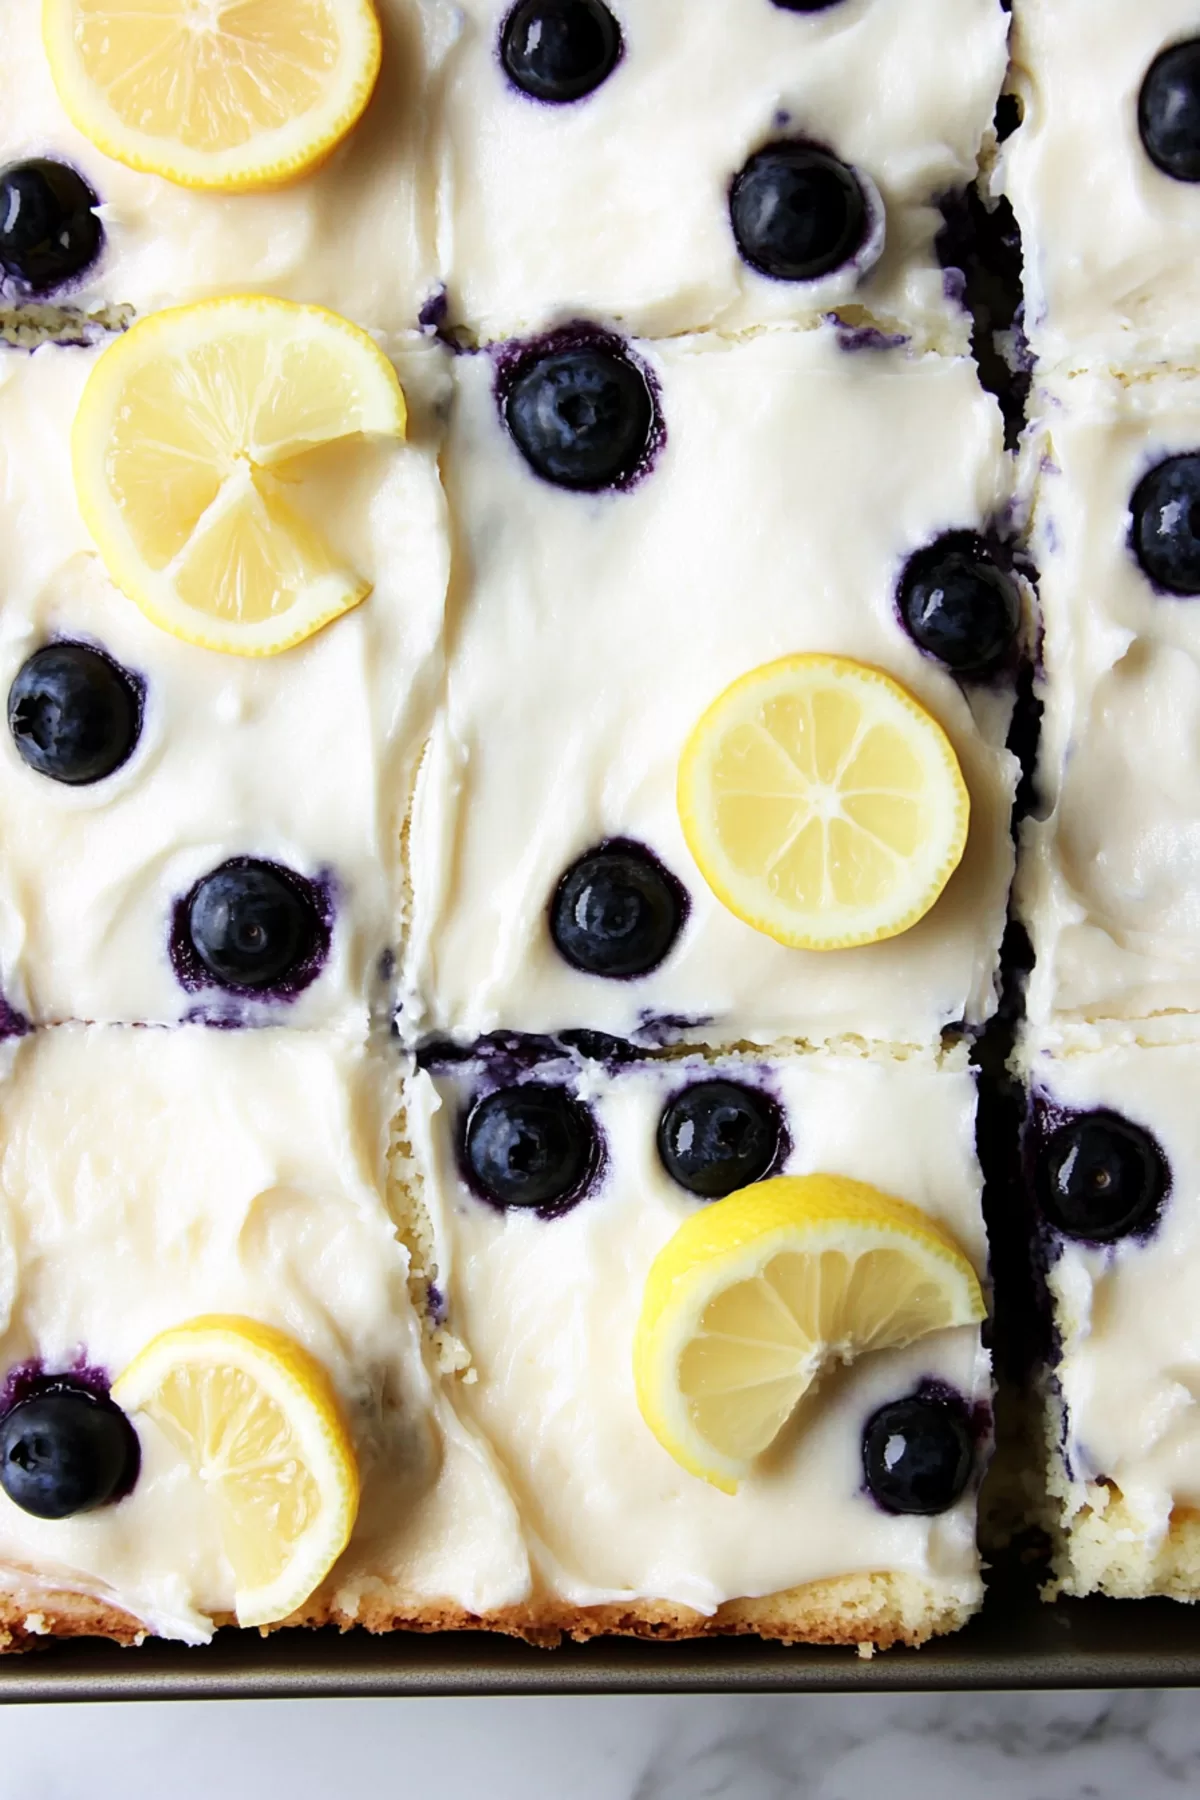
{"x":985,"y":1747}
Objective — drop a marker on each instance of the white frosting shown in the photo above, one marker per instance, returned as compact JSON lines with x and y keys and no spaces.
{"x":617,"y":205}
{"x":1111,"y":244}
{"x":303,"y":758}
{"x":548,"y":1308}
{"x":1129,"y":1366}
{"x":589,"y":633}
{"x":149,"y":1176}
{"x":1109,"y":882}
{"x":357,"y":234}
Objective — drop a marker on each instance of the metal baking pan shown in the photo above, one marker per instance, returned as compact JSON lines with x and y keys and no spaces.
{"x":1015,"y":1643}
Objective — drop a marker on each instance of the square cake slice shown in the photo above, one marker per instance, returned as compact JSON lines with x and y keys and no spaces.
{"x":357,"y":234}
{"x":1113,"y":1153}
{"x":299,"y":761}
{"x":1107,"y":880}
{"x":857,"y":1525}
{"x":151,"y":1178}
{"x":1105,"y":197}
{"x":787,"y":484}
{"x":669,"y":169}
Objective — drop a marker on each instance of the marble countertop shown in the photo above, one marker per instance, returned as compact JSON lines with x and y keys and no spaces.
{"x":1095,"y":1746}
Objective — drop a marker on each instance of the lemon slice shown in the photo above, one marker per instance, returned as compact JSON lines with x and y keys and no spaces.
{"x":258,"y":1419}
{"x":755,"y":1293}
{"x":213,"y":93}
{"x":187,"y":442}
{"x":823,"y":806}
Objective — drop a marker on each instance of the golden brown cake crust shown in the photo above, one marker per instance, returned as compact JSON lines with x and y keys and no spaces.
{"x":874,"y":1610}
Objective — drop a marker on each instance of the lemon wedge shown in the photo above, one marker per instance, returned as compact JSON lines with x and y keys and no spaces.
{"x":756,"y":1293}
{"x":822,"y":804}
{"x":213,"y":93}
{"x":187,"y":443}
{"x":258,"y":1419}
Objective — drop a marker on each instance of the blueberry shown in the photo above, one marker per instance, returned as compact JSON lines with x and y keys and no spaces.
{"x":1100,"y":1177}
{"x":797,"y":212}
{"x":532,"y":1145}
{"x":1169,"y":111}
{"x":719,"y":1136}
{"x":49,"y":231}
{"x":63,"y":1452}
{"x":616,"y":912}
{"x":1166,"y":523}
{"x":559,"y":50}
{"x":252,"y":924}
{"x":805,"y":6}
{"x":957,"y":605}
{"x":917,"y":1454}
{"x":74,"y":714}
{"x":581,"y":416}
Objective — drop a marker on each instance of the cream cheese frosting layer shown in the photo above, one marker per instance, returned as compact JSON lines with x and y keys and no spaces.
{"x":358,"y":234}
{"x":587,"y":634}
{"x":1109,"y":876}
{"x":302,"y":759}
{"x":149,"y":1176}
{"x":617,"y":204}
{"x":1111,"y":243}
{"x":547,"y":1309}
{"x":1128,"y":1365}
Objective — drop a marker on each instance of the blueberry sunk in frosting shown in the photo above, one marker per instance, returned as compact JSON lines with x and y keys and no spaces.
{"x":958,"y":605}
{"x":718,"y":1136}
{"x":616,"y":912}
{"x":255,"y":926}
{"x":805,"y":6}
{"x":532,"y":1145}
{"x":1169,"y":111}
{"x":1100,"y":1177}
{"x":49,"y":232}
{"x":74,"y":713}
{"x":581,"y":412}
{"x":66,"y":1450}
{"x":797,"y":212}
{"x":559,"y":50}
{"x":1166,"y":523}
{"x":917,"y":1454}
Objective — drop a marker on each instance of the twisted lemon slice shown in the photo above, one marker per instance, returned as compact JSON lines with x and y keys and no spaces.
{"x":259,"y":1421}
{"x":213,"y":93}
{"x":187,"y":450}
{"x":822,"y":804}
{"x":757,"y":1292}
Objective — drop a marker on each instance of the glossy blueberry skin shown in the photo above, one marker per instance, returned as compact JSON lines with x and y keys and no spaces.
{"x":49,"y":232}
{"x":581,"y":415}
{"x":1169,"y":111}
{"x":74,"y":713}
{"x":1100,"y":1177}
{"x":957,"y":605}
{"x":797,"y":212}
{"x":65,"y":1451}
{"x":533,"y":1145}
{"x":559,"y":50}
{"x":917,"y":1455}
{"x":718,"y":1136}
{"x":252,"y":926}
{"x":805,"y":6}
{"x":1165,"y":533}
{"x":616,"y":912}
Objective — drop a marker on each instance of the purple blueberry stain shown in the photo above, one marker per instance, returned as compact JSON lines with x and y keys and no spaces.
{"x":853,"y":338}
{"x":251,"y":930}
{"x":32,"y":1380}
{"x":582,"y":408}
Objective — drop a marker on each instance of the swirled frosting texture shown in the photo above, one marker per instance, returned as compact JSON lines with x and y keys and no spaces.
{"x":1108,"y":881}
{"x":587,"y":634}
